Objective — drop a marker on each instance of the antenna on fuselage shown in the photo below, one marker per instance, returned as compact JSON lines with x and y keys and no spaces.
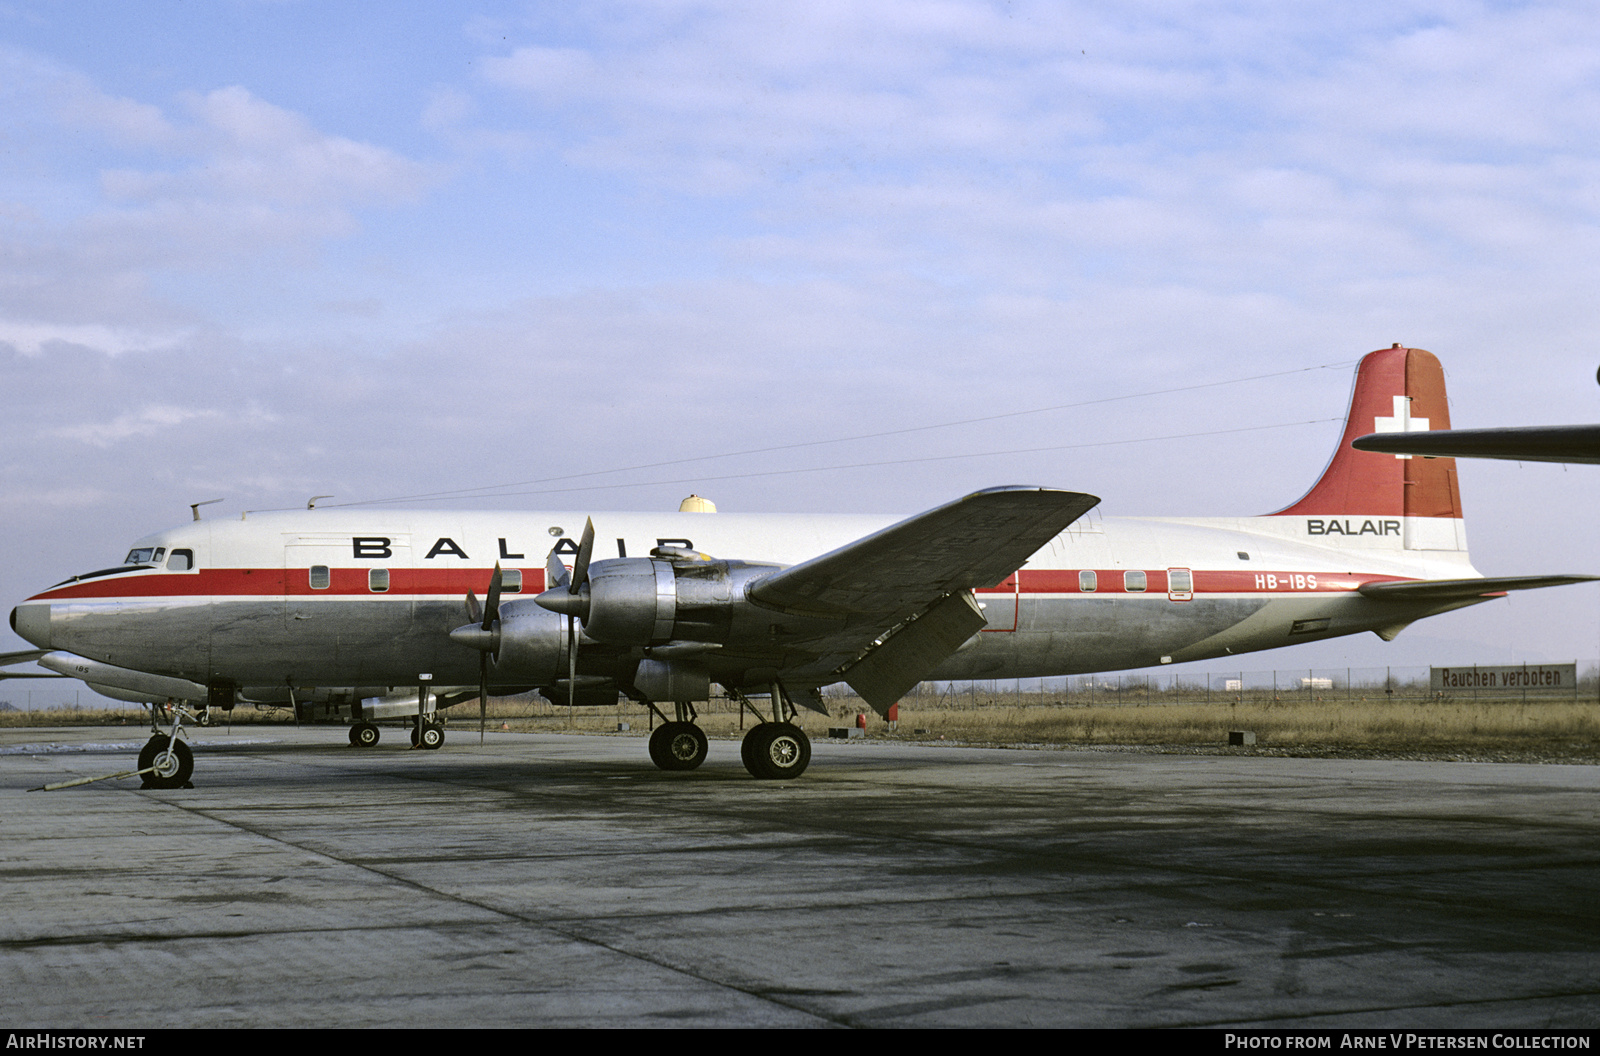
{"x":311,"y":503}
{"x":194,"y":507}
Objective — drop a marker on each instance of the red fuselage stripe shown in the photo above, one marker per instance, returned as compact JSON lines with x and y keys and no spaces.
{"x":348,"y":582}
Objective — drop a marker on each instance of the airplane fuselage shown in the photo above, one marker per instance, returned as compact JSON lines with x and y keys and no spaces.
{"x":334,"y":597}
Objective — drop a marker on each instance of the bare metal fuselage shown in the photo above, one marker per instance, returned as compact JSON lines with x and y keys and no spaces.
{"x":248,"y":610}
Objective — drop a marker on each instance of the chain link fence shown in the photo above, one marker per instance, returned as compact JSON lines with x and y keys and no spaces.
{"x":1286,"y":685}
{"x":1283,"y":685}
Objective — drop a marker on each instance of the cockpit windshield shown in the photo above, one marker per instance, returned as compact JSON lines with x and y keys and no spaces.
{"x":145,"y":555}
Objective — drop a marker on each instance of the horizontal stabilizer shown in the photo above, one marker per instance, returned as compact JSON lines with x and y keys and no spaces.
{"x":1537,"y":443}
{"x":27,"y":656}
{"x":1452,"y":589}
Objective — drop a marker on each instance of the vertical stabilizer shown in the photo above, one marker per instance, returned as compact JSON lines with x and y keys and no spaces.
{"x":1396,"y":390}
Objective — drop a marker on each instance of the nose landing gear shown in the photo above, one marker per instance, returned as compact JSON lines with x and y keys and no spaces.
{"x":168,"y":763}
{"x":165,"y":761}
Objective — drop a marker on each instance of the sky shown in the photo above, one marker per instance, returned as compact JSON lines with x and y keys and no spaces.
{"x":261,"y":250}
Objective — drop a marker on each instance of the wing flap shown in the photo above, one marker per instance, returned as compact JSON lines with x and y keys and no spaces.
{"x":891,"y":668}
{"x":1452,"y":589}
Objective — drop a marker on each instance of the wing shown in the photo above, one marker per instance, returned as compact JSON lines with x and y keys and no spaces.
{"x":903,"y":595}
{"x":975,"y":541}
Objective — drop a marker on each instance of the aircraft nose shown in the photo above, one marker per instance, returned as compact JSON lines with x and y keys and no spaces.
{"x":31,"y":620}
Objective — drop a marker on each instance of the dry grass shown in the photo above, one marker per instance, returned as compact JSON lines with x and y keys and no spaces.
{"x":1515,"y":725}
{"x":1356,"y":724}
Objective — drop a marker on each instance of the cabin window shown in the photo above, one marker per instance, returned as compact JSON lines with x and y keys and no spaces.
{"x":1133,"y":581}
{"x":511,"y":581}
{"x":319,"y":577}
{"x":1180,"y":581}
{"x":180,"y":561}
{"x":377,"y":580}
{"x":1243,"y":556}
{"x":1086,"y":581}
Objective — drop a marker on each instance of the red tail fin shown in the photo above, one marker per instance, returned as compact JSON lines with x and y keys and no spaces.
{"x":1397,"y":389}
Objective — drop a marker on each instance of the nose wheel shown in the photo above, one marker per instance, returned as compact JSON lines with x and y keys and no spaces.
{"x":169,"y":763}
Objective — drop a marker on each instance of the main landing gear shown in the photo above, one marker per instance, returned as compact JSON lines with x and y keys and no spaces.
{"x":774,"y":750}
{"x":677,"y":744}
{"x":365,"y":735}
{"x":428,"y":735}
{"x":778,"y":750}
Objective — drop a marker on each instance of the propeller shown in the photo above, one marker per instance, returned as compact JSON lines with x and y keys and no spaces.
{"x":580,"y":579}
{"x":485,"y":638}
{"x":569,"y":595}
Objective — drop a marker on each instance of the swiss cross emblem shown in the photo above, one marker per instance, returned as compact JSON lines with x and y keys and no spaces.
{"x":1402,"y":422}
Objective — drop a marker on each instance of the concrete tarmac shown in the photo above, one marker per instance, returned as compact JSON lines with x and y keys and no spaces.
{"x":550,"y":880}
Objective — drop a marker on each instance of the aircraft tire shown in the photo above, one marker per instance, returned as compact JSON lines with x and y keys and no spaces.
{"x":364,"y":734}
{"x":176,"y":768}
{"x":777,"y":751}
{"x":678,"y":746}
{"x":745,"y":744}
{"x":432,"y":735}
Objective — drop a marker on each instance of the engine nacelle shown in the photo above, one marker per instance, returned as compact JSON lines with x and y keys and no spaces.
{"x":532,"y":644}
{"x":642,"y":601}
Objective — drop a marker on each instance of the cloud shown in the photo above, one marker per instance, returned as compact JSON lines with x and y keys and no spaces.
{"x":249,"y":151}
{"x":108,"y":199}
{"x":35,"y":338}
{"x":144,"y":422}
{"x":1044,"y":143}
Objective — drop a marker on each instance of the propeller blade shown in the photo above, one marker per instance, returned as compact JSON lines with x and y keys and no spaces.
{"x":580,"y":567}
{"x":555,"y":573}
{"x":491,"y":609}
{"x":474,"y":610}
{"x":491,"y":613}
